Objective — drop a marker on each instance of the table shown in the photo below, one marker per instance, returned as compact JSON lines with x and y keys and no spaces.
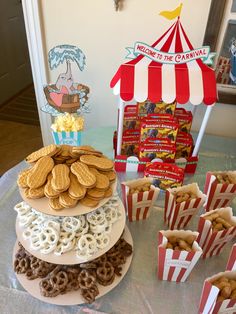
{"x":140,"y":291}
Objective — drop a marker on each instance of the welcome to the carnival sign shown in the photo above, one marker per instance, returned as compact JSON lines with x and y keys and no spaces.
{"x":170,"y":58}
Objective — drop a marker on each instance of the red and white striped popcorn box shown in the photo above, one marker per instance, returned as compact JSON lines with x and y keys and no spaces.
{"x":219,"y":194}
{"x":208,"y":302}
{"x":138,"y":205}
{"x":231,"y":265}
{"x":178,"y":215}
{"x":174,"y":265}
{"x":213,"y":242}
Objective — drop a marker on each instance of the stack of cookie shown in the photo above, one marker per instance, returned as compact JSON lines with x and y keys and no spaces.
{"x":67,"y":175}
{"x":80,"y":226}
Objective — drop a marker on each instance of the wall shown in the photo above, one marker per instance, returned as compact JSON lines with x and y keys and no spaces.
{"x":102,"y":34}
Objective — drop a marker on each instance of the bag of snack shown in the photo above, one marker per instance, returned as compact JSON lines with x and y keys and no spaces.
{"x":216,"y":228}
{"x":139,"y":196}
{"x":148,"y":107}
{"x":178,"y":253}
{"x":184,"y":145}
{"x":220,"y":188}
{"x":219,"y":294}
{"x":165,"y":175}
{"x":185,"y":119}
{"x":181,"y":204}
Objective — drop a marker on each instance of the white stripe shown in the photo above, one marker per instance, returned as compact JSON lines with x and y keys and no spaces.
{"x":177,"y":270}
{"x":195,"y":76}
{"x":116,"y":88}
{"x":223,"y":308}
{"x":168,"y":78}
{"x":169,"y":254}
{"x":194,"y":261}
{"x":211,"y":300}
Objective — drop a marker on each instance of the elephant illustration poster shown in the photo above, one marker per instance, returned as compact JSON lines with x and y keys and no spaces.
{"x":65,"y":95}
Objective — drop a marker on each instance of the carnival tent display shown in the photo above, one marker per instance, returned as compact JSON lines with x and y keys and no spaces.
{"x":169,"y":70}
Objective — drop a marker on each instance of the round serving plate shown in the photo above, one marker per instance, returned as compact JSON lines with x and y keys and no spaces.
{"x":72,"y":297}
{"x":70,"y":258}
{"x":42,"y":205}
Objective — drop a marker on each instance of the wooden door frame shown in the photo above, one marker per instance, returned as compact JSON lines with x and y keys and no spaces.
{"x":33,"y":26}
{"x":215,"y":19}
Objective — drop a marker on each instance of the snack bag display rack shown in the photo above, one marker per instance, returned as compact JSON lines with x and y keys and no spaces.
{"x":170,"y":70}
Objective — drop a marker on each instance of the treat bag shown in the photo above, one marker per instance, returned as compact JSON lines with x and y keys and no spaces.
{"x":231,"y":265}
{"x":178,"y":215}
{"x":176,"y":265}
{"x":219,"y":194}
{"x":208,"y":302}
{"x":138,"y":205}
{"x":213,"y":242}
{"x":72,"y":138}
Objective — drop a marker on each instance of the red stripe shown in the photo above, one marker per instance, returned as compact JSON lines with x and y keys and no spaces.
{"x":207,"y":182}
{"x":115,"y":78}
{"x":161,"y":261}
{"x":145,"y":212}
{"x":188,"y":258}
{"x":180,"y":222}
{"x":172,"y":208}
{"x":130,"y":205}
{"x":231,"y":304}
{"x":204,"y":297}
{"x":139,"y":199}
{"x":187,"y":221}
{"x":223,"y":187}
{"x":233,"y":189}
{"x":176,"y":213}
{"x":225,"y":203}
{"x":220,"y":248}
{"x":175,"y":255}
{"x":217,"y":307}
{"x":211,"y":194}
{"x":232,"y":258}
{"x":160,"y":238}
{"x":209,"y":244}
{"x":208,"y":77}
{"x":201,"y":224}
{"x":181,"y":73}
{"x":167,"y":197}
{"x":138,"y":214}
{"x":127,"y":82}
{"x":215,"y":205}
{"x":155,"y":71}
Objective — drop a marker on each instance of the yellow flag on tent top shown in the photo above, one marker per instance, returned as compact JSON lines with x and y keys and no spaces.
{"x":170,"y":15}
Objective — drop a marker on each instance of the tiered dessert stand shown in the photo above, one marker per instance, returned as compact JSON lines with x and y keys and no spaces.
{"x":70,"y":258}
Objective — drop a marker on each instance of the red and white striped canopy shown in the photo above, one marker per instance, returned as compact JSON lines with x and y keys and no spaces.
{"x":141,"y":78}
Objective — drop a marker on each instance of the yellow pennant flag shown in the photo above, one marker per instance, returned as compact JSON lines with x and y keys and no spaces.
{"x":170,"y":15}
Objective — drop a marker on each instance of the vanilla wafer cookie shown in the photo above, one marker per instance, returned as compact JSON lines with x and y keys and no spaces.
{"x":66,"y":201}
{"x":48,"y":189}
{"x":84,"y":176}
{"x":55,"y":204}
{"x":95,"y":194}
{"x":22,"y":178}
{"x":36,"y":193}
{"x":102,"y":181}
{"x":76,"y":190}
{"x":99,"y":163}
{"x":38,"y":175}
{"x":60,"y":177}
{"x":111,"y":175}
{"x":49,"y":150}
{"x":88,"y":202}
